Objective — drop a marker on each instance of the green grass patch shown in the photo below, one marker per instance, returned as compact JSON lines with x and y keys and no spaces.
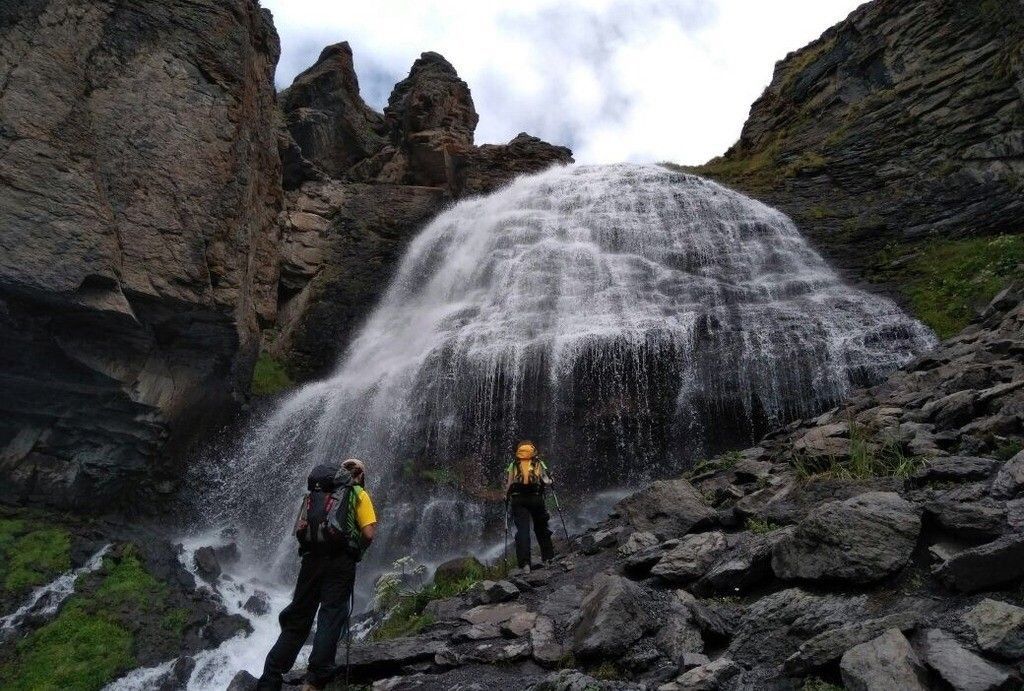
{"x":269,"y":377}
{"x":128,"y":582}
{"x":76,"y":651}
{"x":867,"y":459}
{"x":946,"y":282}
{"x":407,"y":617}
{"x":721,"y":462}
{"x":1008,"y":449}
{"x":32,"y":558}
{"x":760,"y":526}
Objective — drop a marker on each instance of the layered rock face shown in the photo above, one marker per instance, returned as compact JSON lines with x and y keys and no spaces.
{"x":902,"y":122}
{"x":361,"y":183}
{"x":139,"y":194}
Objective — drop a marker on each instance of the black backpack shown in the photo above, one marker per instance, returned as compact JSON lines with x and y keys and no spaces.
{"x":327,"y":516}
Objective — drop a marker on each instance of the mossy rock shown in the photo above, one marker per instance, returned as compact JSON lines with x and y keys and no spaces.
{"x":458,"y":570}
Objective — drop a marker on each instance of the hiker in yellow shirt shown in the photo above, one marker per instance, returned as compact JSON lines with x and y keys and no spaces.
{"x":336,"y":524}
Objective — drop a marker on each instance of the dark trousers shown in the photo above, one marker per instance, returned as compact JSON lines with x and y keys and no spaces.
{"x":325,"y":582}
{"x":527,"y":508}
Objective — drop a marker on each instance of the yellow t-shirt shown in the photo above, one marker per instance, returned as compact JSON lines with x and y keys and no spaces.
{"x":365,"y":515}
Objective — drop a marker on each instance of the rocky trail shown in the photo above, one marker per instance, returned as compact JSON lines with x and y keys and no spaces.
{"x":880,"y":546}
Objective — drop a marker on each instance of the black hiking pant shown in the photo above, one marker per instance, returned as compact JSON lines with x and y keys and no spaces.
{"x":527,"y":508}
{"x":325,"y":582}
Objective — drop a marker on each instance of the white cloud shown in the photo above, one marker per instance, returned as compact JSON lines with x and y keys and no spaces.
{"x":642,"y":80}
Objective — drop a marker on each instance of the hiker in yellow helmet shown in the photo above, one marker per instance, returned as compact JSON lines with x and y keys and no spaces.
{"x":527,"y":478}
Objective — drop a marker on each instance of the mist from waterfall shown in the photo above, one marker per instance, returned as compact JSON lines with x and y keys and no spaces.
{"x":629,"y":319}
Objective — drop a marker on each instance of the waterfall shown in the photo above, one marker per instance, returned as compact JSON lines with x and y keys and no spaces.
{"x":626,"y":318}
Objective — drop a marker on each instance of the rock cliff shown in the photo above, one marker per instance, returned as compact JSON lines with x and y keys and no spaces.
{"x":139,"y":193}
{"x":902,"y":123}
{"x":361,"y":183}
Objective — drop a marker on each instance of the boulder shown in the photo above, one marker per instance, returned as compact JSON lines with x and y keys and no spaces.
{"x":691,"y":558}
{"x":379,"y":659}
{"x":670,"y":508}
{"x":678,"y":634}
{"x":972,"y":519}
{"x":829,"y":646}
{"x":998,"y":627}
{"x":613,"y":617}
{"x":714,"y":676}
{"x":865,"y":538}
{"x":960,"y":668}
{"x":488,"y":592}
{"x":207,"y":564}
{"x":1010,"y":478}
{"x":242,"y":681}
{"x":956,"y":468}
{"x":519,"y":625}
{"x":825,"y":442}
{"x":547,"y":649}
{"x":883,"y":664}
{"x":636,"y":542}
{"x":993,"y":564}
{"x":493,"y":614}
{"x":455,"y":570}
{"x":257,"y":604}
{"x":747,"y":564}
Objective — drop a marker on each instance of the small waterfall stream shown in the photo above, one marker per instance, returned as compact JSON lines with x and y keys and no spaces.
{"x":627,"y":318}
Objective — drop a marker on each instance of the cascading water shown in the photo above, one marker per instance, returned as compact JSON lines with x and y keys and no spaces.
{"x":627,"y":318}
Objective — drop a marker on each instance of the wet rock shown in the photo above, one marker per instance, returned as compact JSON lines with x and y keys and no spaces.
{"x":258,"y":604}
{"x":613,"y":617}
{"x":225,"y":627}
{"x":746,"y":565}
{"x":861,"y":539}
{"x":207,"y":564}
{"x":987,"y":566}
{"x":714,"y":676}
{"x":998,"y":627}
{"x":956,"y":468}
{"x":960,"y":668}
{"x":594,"y":542}
{"x":493,"y":614}
{"x":375,"y":660}
{"x":1010,"y":479}
{"x":691,"y":558}
{"x":547,"y":648}
{"x":829,"y":646}
{"x":882,"y":664}
{"x":637,"y":542}
{"x":975,"y":519}
{"x":669,"y":508}
{"x":177,"y":677}
{"x":228,"y":554}
{"x":773,"y":627}
{"x":243,"y":681}
{"x":488,"y":592}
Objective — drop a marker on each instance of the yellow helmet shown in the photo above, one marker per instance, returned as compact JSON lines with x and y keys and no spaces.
{"x":525,"y":450}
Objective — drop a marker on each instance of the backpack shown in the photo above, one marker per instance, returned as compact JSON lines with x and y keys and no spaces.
{"x":533,"y":480}
{"x":327,"y":515}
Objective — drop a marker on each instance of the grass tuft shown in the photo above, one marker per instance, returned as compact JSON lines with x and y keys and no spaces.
{"x":269,"y":377}
{"x":32,"y":558}
{"x":760,"y":526}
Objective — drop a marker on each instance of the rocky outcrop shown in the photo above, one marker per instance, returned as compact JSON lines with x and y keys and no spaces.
{"x":902,"y":122}
{"x":139,"y":191}
{"x":361,"y":183}
{"x":779,"y":568}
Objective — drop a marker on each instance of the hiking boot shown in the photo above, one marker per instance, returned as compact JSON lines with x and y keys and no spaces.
{"x":519,"y":571}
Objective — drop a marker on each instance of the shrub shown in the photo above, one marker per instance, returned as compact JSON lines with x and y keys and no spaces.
{"x":761,"y":527}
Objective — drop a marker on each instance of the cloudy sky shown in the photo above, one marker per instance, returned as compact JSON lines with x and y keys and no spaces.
{"x":639,"y":80}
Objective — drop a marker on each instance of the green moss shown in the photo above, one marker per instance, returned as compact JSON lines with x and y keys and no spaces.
{"x":128,"y":582}
{"x":1008,"y":449}
{"x":947,"y":282}
{"x":35,"y":557}
{"x":607,"y":671}
{"x":175,"y":620}
{"x":77,"y":651}
{"x":269,"y":377}
{"x":816,"y":684}
{"x":761,"y":527}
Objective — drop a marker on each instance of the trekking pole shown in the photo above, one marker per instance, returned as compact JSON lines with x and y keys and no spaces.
{"x":348,"y":636}
{"x":561,"y":518}
{"x":504,"y":551}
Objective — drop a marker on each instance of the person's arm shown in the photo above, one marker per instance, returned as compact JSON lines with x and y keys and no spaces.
{"x":369,"y":532}
{"x":509,"y":479}
{"x":545,"y":474}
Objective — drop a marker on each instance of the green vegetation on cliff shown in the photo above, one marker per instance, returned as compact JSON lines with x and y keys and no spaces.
{"x":269,"y":377}
{"x":31,"y":557}
{"x":946,"y":282}
{"x":92,"y":639}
